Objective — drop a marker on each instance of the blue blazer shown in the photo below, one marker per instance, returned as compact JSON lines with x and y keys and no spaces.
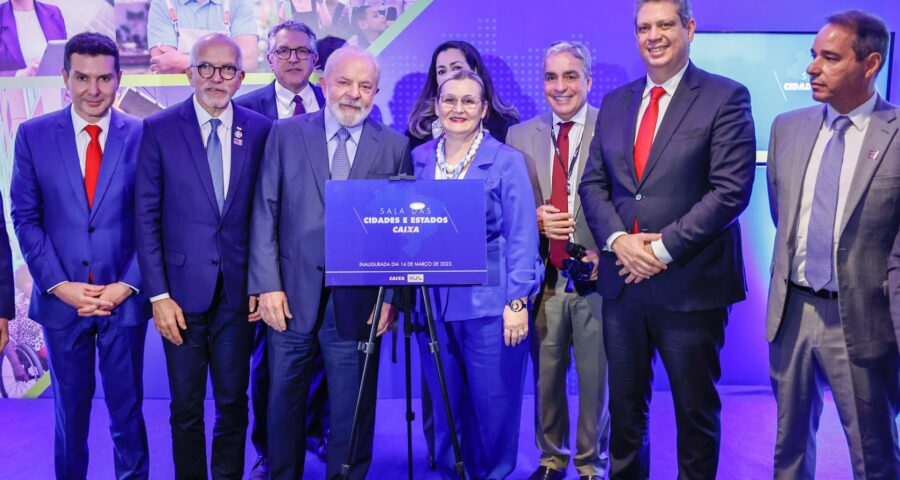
{"x":7,"y":280}
{"x":288,"y":230}
{"x":696,"y":183}
{"x":183,"y":242}
{"x":262,"y":100}
{"x":514,"y":266}
{"x":63,"y":239}
{"x":52,"y":24}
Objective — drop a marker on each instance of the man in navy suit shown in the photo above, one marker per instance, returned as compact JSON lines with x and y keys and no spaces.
{"x":196,"y":174}
{"x":670,"y":170}
{"x":287,"y":260}
{"x":7,"y":289}
{"x":292,"y":56}
{"x":73,"y":208}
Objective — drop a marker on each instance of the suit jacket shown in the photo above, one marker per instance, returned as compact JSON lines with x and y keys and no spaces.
{"x":262,"y":100}
{"x":52,"y":24}
{"x":696,"y":183}
{"x":183,"y":241}
{"x":514,"y":267}
{"x":288,"y":228}
{"x":61,"y":238}
{"x":7,"y":280}
{"x":868,"y":228}
{"x":532,"y":138}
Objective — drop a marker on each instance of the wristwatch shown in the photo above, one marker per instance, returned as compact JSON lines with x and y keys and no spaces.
{"x":516,"y":305}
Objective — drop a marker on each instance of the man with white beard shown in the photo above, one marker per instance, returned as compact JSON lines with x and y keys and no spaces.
{"x":287,"y":258}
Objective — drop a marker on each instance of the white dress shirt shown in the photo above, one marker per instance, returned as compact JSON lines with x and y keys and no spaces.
{"x":284,"y":98}
{"x":670,"y":85}
{"x":331,"y":128}
{"x":575,"y":147}
{"x":853,"y":140}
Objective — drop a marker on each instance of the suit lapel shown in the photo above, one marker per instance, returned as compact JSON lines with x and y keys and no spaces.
{"x":238,"y":157}
{"x":367,"y":151}
{"x":316,"y":148}
{"x":68,"y":155}
{"x":9,"y":33}
{"x":681,"y":102}
{"x":882,"y":129}
{"x":112,"y":152}
{"x":587,"y":135}
{"x":320,"y":97}
{"x":268,"y":102}
{"x":542,"y":154}
{"x":193,"y":138}
{"x":484,"y":158}
{"x":804,"y":136}
{"x":634,"y":107}
{"x":426,"y":166}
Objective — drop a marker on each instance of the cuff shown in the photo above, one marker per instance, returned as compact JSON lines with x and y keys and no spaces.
{"x":659,"y":249}
{"x":161,"y":296}
{"x":612,"y":238}
{"x":50,"y":290}
{"x":132,"y":287}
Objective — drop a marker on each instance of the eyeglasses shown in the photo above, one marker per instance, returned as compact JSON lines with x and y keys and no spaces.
{"x":207,"y":71}
{"x":284,"y":53}
{"x":468,"y":102}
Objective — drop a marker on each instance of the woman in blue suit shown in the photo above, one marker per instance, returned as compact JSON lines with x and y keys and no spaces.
{"x":481,"y":330}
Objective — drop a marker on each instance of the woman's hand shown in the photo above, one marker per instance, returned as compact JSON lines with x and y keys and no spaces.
{"x":515,"y":325}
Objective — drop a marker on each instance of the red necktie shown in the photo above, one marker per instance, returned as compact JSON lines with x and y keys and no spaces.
{"x":559,"y":192}
{"x":298,"y":105}
{"x":92,"y":162}
{"x":644,"y":141}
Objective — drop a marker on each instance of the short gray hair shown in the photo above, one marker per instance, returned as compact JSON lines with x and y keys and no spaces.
{"x":293,"y":26}
{"x":576,"y":49}
{"x":348,"y":49}
{"x":684,"y":9}
{"x":216,"y":38}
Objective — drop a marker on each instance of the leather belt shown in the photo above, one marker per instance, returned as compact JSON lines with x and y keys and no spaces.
{"x":826,"y":294}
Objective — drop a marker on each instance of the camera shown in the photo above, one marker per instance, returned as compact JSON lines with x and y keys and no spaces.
{"x":577,"y":271}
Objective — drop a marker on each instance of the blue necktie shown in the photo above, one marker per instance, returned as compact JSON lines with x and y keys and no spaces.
{"x":820,"y":236}
{"x":214,"y":156}
{"x":340,"y":163}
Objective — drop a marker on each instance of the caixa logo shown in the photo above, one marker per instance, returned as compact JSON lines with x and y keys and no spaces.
{"x":415,"y":278}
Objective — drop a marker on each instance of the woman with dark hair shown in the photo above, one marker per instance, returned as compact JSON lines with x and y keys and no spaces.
{"x":448,"y":58}
{"x":25,"y":28}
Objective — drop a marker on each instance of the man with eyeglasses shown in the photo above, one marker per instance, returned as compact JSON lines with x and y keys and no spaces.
{"x":196,"y":175}
{"x":369,"y":22}
{"x":292,"y":56}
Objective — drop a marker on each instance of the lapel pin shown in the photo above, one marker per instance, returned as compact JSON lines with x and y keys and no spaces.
{"x":238,"y":136}
{"x":873,"y":154}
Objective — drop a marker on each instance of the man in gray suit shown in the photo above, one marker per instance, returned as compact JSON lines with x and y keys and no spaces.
{"x":555,"y":146}
{"x":287,"y":260}
{"x":834,"y":191}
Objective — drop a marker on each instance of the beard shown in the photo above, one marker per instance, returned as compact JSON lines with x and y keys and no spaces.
{"x":349,"y":119}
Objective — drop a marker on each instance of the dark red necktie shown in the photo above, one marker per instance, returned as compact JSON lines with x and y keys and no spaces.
{"x":299,"y":109}
{"x":92,"y":162}
{"x":644,"y":141}
{"x":559,"y":192}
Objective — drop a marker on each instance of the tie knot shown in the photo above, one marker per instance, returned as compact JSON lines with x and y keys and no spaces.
{"x":656,"y":93}
{"x":298,"y":100}
{"x":93,"y":131}
{"x":841,"y":124}
{"x":214,"y":123}
{"x":564,"y":128}
{"x":343,"y":134}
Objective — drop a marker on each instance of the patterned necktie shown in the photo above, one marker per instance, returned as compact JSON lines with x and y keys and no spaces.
{"x":820,"y":235}
{"x":645,"y":132}
{"x":214,"y":156}
{"x":92,"y":162}
{"x":559,"y":191}
{"x":299,"y":109}
{"x":340,"y":163}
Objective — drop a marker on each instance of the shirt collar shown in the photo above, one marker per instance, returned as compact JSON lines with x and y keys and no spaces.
{"x":79,"y":123}
{"x":332,"y":126}
{"x":859,"y":116}
{"x":202,"y":116}
{"x":579,"y":117}
{"x":669,"y":85}
{"x":185,"y":2}
{"x":286,"y":97}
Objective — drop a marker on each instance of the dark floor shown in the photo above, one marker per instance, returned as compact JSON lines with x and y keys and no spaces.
{"x":748,"y":419}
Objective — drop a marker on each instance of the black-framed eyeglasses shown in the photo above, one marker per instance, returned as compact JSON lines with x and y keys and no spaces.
{"x":284,"y":53}
{"x":206,"y":70}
